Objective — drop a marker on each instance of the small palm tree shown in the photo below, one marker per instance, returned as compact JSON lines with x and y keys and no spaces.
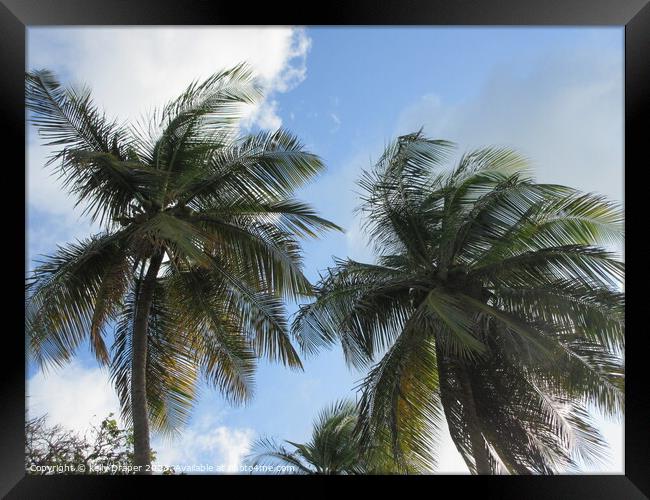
{"x":336,"y":447}
{"x":199,"y":246}
{"x":490,"y":303}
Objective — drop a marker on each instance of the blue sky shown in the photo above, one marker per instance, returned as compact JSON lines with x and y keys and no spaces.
{"x":556,"y":94}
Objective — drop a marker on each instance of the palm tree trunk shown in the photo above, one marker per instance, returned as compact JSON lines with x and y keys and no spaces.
{"x":139,"y":411}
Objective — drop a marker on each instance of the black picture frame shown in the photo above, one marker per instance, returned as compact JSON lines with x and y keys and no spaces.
{"x":16,"y":15}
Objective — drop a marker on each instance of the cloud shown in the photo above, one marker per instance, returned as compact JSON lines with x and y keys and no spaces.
{"x":131,"y":70}
{"x":77,"y":397}
{"x":73,"y":396}
{"x":264,"y":116}
{"x":566,"y":115}
{"x":205,"y":443}
{"x":449,"y":459}
{"x":295,"y":69}
{"x":612,"y":431}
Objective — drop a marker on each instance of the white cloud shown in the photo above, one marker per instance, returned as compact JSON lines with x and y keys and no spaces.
{"x":295,"y":70}
{"x":265,"y":116}
{"x":131,"y":70}
{"x":73,"y":396}
{"x":205,"y":443}
{"x":613,"y":433}
{"x":76,"y":398}
{"x":566,"y":115}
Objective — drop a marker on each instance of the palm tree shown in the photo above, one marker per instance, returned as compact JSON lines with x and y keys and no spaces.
{"x":490,"y":306}
{"x":335,"y":448}
{"x":198,"y":249}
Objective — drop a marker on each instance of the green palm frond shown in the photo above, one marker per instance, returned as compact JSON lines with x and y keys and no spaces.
{"x":221,"y":348}
{"x":454,"y":325}
{"x":268,"y":252}
{"x":362,"y":305}
{"x":400,"y":403}
{"x":257,"y":315}
{"x":266,"y":167}
{"x":108,"y":189}
{"x":554,"y":432}
{"x":211,"y":104}
{"x":290,"y":216}
{"x":402,"y":179}
{"x":73,"y":294}
{"x":571,"y":219}
{"x":69,"y":118}
{"x":582,"y":264}
{"x":592,"y":313}
{"x":94,"y":159}
{"x":268,"y":452}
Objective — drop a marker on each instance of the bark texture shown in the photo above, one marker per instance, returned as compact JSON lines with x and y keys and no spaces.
{"x":140,"y":413}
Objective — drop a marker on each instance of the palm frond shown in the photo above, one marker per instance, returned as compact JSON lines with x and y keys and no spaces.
{"x":68,"y":117}
{"x":95,"y":155}
{"x":265,"y":167}
{"x":73,"y":294}
{"x":362,"y":305}
{"x":400,"y":403}
{"x":222,"y":349}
